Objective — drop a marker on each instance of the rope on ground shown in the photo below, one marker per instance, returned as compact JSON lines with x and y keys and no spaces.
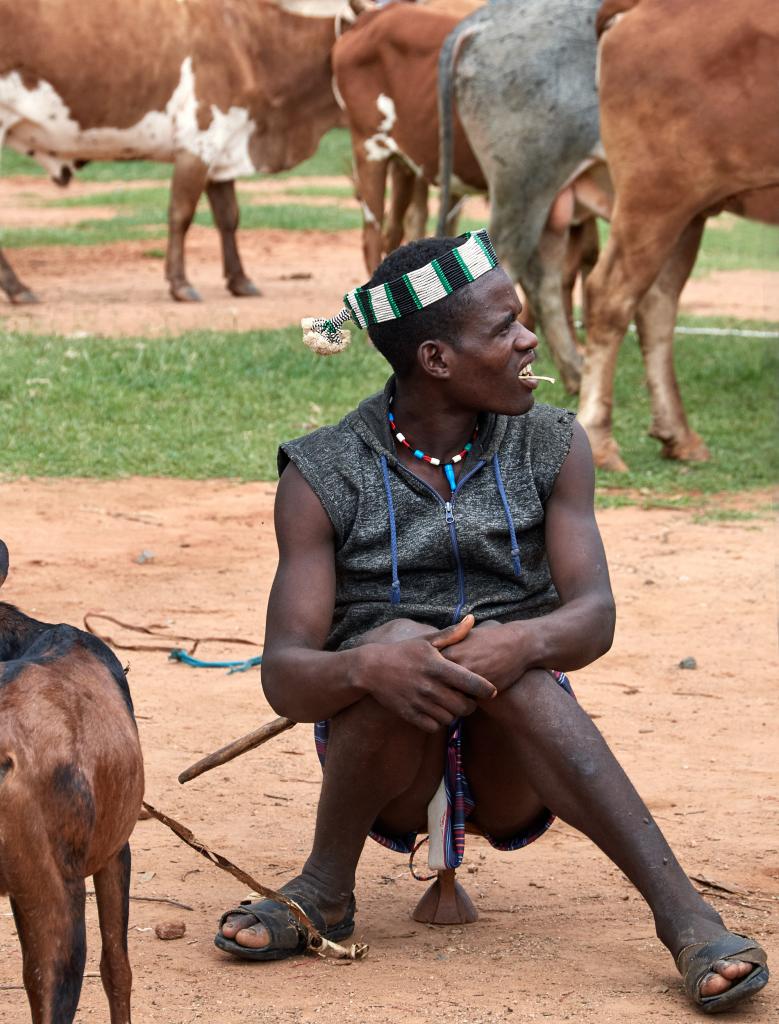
{"x":234,"y":666}
{"x":316,"y":942}
{"x":172,"y":648}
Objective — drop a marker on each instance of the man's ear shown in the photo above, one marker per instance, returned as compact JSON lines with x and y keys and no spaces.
{"x":435,"y":358}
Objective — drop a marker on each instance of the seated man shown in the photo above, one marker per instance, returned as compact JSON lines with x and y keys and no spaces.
{"x":448,"y":499}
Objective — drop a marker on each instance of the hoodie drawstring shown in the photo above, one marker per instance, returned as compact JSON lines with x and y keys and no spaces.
{"x":515,"y":559}
{"x":512,"y":532}
{"x":395,"y":589}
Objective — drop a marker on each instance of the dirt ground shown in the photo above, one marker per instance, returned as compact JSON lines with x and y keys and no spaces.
{"x":119,"y":289}
{"x":561,"y":934}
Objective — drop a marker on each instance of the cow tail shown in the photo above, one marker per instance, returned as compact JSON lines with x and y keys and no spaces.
{"x":447,"y":62}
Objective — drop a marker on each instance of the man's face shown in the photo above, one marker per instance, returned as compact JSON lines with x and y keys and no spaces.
{"x":493,"y":348}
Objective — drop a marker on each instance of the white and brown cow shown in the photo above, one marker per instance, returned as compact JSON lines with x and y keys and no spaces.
{"x":386,"y":70}
{"x":219,"y":88}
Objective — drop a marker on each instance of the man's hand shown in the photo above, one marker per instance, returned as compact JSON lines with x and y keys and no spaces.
{"x":414,"y":680}
{"x":493,"y":651}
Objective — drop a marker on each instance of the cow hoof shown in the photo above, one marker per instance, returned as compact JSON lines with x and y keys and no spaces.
{"x":572,"y":381}
{"x":691,"y":449}
{"x":24,"y":298}
{"x":185,"y":293}
{"x":605,"y":455}
{"x":243,"y":288}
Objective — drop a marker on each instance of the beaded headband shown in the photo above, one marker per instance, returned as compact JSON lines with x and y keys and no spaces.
{"x":395,"y":299}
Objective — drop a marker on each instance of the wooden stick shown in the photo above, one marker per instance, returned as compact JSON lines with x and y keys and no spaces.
{"x":236,"y":748}
{"x":279,"y":725}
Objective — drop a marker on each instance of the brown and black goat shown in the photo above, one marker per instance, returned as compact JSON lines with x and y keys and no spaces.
{"x":71,"y":785}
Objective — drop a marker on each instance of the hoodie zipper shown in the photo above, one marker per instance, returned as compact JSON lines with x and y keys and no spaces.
{"x":449,"y":513}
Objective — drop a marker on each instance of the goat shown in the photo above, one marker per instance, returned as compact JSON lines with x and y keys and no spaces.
{"x":71,"y":786}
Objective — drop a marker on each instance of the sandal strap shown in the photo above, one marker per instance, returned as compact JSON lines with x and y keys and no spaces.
{"x":266,"y":911}
{"x":696,"y":961}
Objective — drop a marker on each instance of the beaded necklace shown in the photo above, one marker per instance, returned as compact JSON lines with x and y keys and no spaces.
{"x":448,"y":467}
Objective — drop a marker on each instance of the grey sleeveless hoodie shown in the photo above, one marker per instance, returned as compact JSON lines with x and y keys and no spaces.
{"x":401,"y":550}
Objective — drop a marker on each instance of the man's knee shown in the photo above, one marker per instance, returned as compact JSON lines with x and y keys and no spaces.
{"x":394,"y":631}
{"x":522,"y":698}
{"x":368,"y":725}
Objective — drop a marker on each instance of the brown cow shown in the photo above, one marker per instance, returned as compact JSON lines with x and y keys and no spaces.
{"x":689,"y":120}
{"x":219,"y":89}
{"x":71,"y":785}
{"x":386,"y":76}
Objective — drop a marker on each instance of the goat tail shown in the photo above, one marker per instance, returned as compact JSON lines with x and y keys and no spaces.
{"x":3,"y":562}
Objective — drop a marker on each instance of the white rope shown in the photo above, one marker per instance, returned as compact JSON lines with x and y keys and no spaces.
{"x":714,"y":332}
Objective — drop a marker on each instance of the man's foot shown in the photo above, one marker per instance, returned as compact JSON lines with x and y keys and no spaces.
{"x":267,"y":930}
{"x":719,"y":967}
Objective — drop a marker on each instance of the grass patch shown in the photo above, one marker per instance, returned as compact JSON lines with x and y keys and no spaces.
{"x":730,"y":243}
{"x":213,"y":404}
{"x":299,"y":218}
{"x":88,"y":232}
{"x":333,"y":156}
{"x":141,"y":198}
{"x":331,"y":191}
{"x":738,"y":515}
{"x":147,"y":222}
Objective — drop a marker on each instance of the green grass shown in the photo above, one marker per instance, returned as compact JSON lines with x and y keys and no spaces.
{"x":331,"y":191}
{"x":217,"y":405}
{"x":142,"y":198}
{"x":730,"y":243}
{"x":332,"y":157}
{"x":146,"y":222}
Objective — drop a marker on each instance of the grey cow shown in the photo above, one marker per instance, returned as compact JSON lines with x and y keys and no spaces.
{"x":523,"y":77}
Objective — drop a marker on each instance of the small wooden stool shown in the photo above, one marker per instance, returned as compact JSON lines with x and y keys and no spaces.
{"x":445,"y":902}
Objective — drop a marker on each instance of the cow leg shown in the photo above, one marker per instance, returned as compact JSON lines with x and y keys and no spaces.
{"x":224,"y":207}
{"x":402,"y":183}
{"x":186,"y":188}
{"x":631,"y":260}
{"x":17,"y":292}
{"x":112,"y":888}
{"x":371,"y":177}
{"x":543,"y":285}
{"x":52,"y":934}
{"x":416,"y":218}
{"x":655,"y":320}
{"x":582,"y":255}
{"x":453,"y":214}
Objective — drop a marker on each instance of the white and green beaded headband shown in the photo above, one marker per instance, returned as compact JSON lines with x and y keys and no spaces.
{"x":395,"y":299}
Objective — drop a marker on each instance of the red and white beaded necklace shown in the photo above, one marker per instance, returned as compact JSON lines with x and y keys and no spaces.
{"x":448,"y":467}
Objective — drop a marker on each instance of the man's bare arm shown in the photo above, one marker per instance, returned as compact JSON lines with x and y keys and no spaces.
{"x":301,"y":681}
{"x":582,"y":628}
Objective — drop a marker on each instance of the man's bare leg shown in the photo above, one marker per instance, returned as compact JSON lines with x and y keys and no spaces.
{"x":387,"y":767}
{"x":535,"y":737}
{"x":531,"y":747}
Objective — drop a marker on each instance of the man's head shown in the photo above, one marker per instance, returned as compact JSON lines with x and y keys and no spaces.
{"x":443,"y":309}
{"x":399,"y":340}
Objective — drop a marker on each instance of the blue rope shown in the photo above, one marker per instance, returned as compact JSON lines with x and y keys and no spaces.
{"x":233,"y":666}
